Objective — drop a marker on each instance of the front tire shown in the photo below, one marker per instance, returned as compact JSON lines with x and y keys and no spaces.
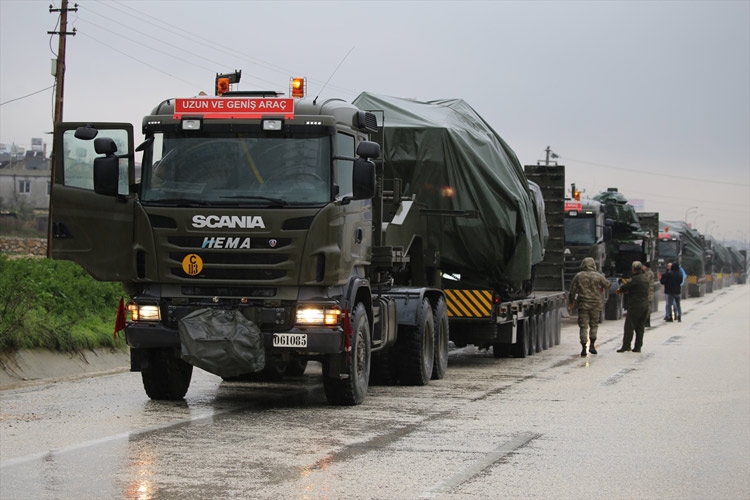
{"x":352,"y":389}
{"x":166,"y":377}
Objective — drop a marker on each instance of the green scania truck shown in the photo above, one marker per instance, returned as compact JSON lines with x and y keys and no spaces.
{"x":262,"y":231}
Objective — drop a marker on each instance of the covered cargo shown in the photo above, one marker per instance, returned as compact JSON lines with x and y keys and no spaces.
{"x":450,"y":160}
{"x":695,"y":256}
{"x":693,"y":247}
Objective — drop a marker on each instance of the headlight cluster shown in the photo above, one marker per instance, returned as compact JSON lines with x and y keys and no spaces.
{"x":318,"y":315}
{"x":144,"y":312}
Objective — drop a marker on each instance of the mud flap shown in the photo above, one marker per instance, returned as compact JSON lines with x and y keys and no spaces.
{"x":221,"y":342}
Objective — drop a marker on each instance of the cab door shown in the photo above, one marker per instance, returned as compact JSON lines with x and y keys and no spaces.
{"x":94,"y":230}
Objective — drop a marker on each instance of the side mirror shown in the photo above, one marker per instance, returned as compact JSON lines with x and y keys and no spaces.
{"x":86,"y":133}
{"x":368,"y":149}
{"x":107,"y":168}
{"x":363,"y":179}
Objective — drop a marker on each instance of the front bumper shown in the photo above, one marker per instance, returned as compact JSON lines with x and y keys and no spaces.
{"x":319,"y":341}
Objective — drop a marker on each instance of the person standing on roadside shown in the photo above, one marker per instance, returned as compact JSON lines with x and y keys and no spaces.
{"x":650,"y":275}
{"x":586,"y":293}
{"x":672,"y":281}
{"x":638,"y":307}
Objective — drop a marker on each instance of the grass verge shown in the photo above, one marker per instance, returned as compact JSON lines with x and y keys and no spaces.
{"x":55,"y":305}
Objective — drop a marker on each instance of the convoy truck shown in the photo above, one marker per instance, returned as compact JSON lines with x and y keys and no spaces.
{"x":614,"y":244}
{"x":696,"y":258}
{"x":252,"y":243}
{"x":260,"y":234}
{"x":491,"y":241}
{"x":586,"y":235}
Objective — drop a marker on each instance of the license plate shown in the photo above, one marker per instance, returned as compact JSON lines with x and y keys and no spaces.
{"x":290,"y":340}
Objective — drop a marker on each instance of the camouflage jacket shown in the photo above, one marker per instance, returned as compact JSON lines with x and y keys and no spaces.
{"x":588,"y":287}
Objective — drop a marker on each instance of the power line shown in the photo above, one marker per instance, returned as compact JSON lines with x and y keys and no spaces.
{"x":137,"y":60}
{"x":187,"y":35}
{"x":27,"y":95}
{"x":671,"y":176}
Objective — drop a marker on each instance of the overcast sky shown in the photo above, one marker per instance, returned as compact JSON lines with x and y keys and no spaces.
{"x":651,"y":97}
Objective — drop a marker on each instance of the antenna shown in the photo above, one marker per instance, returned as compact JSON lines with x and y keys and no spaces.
{"x":334,"y":72}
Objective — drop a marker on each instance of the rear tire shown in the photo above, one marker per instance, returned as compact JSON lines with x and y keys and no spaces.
{"x":166,"y":377}
{"x":352,"y":390}
{"x":418,"y":348}
{"x":538,"y":333}
{"x":440,"y":317}
{"x":521,"y":347}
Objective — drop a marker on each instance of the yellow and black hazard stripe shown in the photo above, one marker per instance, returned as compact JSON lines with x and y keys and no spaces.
{"x":469,"y":303}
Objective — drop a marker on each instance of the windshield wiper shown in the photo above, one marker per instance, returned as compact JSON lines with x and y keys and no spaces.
{"x":274,"y":201}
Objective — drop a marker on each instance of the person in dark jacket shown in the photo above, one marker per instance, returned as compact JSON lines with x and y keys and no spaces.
{"x":638,"y":307}
{"x":587,"y":294}
{"x":672,"y":281}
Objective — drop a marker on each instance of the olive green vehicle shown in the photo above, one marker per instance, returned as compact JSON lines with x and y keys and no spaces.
{"x":251,"y":240}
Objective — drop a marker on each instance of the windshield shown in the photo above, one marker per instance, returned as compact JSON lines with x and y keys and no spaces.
{"x":580,"y":230}
{"x":669,"y":249}
{"x":237,"y":169}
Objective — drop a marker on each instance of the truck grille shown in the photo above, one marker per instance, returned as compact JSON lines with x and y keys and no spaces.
{"x":232,"y":259}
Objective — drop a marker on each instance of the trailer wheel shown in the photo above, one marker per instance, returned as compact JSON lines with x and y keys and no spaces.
{"x":352,"y":389}
{"x":544,"y":331}
{"x":418,"y":348}
{"x":558,"y":326}
{"x":440,"y":317}
{"x":537,"y":334}
{"x":521,"y":347}
{"x":549,"y":328}
{"x":166,"y":377}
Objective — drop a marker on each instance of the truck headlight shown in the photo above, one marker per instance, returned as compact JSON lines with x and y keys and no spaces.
{"x":318,"y":315}
{"x":144,"y":312}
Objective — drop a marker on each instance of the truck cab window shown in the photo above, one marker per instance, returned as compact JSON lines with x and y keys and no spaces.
{"x":344,"y":147}
{"x":232,"y":168}
{"x":79,"y":155}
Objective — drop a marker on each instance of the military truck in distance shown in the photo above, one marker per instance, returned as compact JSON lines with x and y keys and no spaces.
{"x":696,"y":258}
{"x":629,"y":242}
{"x":586,"y":235}
{"x":253,"y":242}
{"x":669,"y":249}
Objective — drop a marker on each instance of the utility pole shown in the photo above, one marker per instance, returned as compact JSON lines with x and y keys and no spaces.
{"x":60,"y":66}
{"x":59,"y":85}
{"x":550,"y":154}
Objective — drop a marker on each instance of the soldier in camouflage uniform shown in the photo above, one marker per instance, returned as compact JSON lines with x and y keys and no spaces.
{"x":586,"y":292}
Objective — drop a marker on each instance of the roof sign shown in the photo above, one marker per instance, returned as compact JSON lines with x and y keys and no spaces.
{"x":572,"y":205}
{"x":234,"y":107}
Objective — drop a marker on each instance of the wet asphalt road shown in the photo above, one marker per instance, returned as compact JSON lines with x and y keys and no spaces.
{"x":670,"y":422}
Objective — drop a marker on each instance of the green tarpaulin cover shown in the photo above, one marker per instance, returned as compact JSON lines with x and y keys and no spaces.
{"x":450,"y":158}
{"x":693,"y":248}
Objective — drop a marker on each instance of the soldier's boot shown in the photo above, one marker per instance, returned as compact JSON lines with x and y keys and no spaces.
{"x":583,"y":349}
{"x":592,"y":349}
